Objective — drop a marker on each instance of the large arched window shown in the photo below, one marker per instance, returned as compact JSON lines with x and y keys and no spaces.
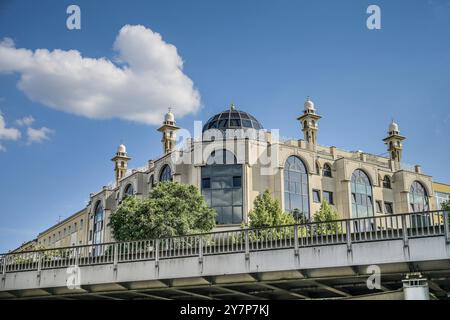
{"x":166,"y":174}
{"x":98,"y":223}
{"x":129,"y":190}
{"x":296,"y":186}
{"x":418,"y":198}
{"x":362,"y":201}
{"x":222,"y":186}
{"x":327,"y":170}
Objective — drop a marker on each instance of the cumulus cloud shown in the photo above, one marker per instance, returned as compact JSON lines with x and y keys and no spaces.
{"x":38,"y":135}
{"x":146,"y":79}
{"x":8,"y":133}
{"x":25,"y":121}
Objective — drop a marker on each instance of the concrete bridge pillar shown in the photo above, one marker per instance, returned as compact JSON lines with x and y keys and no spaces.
{"x":415,"y":287}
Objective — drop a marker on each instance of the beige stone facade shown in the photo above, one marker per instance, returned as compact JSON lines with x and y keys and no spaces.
{"x":391,"y":187}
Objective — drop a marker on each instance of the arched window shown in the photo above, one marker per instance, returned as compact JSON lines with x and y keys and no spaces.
{"x":98,"y":223}
{"x":327,"y":170}
{"x":166,"y":174}
{"x":129,"y":190}
{"x":362,"y":201}
{"x":387,"y":182}
{"x":222,"y":186}
{"x":418,"y":198}
{"x":151,"y":181}
{"x":296,"y":186}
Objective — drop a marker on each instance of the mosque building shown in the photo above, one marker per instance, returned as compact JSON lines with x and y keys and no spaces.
{"x":235,"y":160}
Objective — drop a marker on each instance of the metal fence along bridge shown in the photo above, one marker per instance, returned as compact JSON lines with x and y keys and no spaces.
{"x":330,"y":259}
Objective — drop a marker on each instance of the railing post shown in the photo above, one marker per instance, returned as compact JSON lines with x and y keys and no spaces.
{"x":247,"y":245}
{"x":116,"y":255}
{"x":200,"y":249}
{"x":348,"y":235}
{"x":4,"y":265}
{"x":39,"y":267}
{"x":296,"y":240}
{"x":446,"y":226}
{"x":405,"y":231}
{"x":156,"y":253}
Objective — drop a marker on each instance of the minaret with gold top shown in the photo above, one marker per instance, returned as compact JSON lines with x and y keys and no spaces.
{"x":308,"y":121}
{"x":394,"y":141}
{"x":168,"y":130}
{"x":121,"y":162}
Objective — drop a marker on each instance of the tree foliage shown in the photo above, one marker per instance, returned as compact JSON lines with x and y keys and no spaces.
{"x":267,"y":212}
{"x":172,"y":209}
{"x":446,"y":205}
{"x":325,"y":219}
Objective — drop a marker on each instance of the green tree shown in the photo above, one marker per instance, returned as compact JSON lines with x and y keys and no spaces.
{"x":445,"y":205}
{"x":326,"y":220}
{"x":267,"y":212}
{"x":172,"y":209}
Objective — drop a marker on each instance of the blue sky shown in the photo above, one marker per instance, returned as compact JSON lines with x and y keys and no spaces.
{"x":265,"y":56}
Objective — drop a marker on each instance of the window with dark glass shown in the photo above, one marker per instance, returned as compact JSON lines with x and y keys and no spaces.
{"x":237,"y":181}
{"x":222,"y":186}
{"x":206,"y":183}
{"x":129,"y":190}
{"x":361,"y":189}
{"x":166,"y":174}
{"x":296,"y":186}
{"x":316,"y":196}
{"x":328,"y":197}
{"x":327,"y":170}
{"x":389,"y":208}
{"x":387,"y":182}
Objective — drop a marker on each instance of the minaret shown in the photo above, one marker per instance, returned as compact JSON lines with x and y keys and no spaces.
{"x":168,"y":132}
{"x":394,"y":142}
{"x":308,"y":121}
{"x":121,"y":162}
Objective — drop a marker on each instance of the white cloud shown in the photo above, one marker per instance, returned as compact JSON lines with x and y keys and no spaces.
{"x":147,"y":78}
{"x":8,"y":133}
{"x":38,"y":135}
{"x":25,"y":121}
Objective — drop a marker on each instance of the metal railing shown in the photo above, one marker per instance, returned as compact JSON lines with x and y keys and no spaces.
{"x":346,"y":231}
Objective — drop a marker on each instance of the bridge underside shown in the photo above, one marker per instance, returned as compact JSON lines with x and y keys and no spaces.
{"x":327,"y":283}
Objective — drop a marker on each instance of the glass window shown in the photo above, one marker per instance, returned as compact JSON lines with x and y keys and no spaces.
{"x":418,"y":197}
{"x":237,"y":181}
{"x":166,"y":173}
{"x":316,"y":196}
{"x":327,"y":170}
{"x":389,"y":208}
{"x":328,"y":197}
{"x":222,"y":186}
{"x":387,"y":182}
{"x":361,"y":188}
{"x":235,"y":123}
{"x":296,"y":186}
{"x":98,"y":223}
{"x":206,"y":183}
{"x":129,"y":190}
{"x":246,"y":123}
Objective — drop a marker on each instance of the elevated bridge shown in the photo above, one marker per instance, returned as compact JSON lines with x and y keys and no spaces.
{"x":331,"y":260}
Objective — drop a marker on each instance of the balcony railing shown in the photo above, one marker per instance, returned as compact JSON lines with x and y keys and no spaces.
{"x":346,"y":231}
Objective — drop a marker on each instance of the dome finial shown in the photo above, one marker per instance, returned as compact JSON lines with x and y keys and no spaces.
{"x":309,"y":105}
{"x":232,"y":106}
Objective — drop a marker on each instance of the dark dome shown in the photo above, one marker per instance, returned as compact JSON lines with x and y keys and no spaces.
{"x":232,"y":119}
